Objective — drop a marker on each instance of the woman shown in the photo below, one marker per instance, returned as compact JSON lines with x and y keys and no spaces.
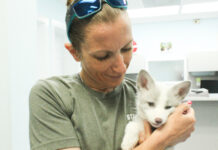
{"x":89,"y":110}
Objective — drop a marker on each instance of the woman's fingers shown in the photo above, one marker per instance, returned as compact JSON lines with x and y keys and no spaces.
{"x":178,"y":128}
{"x":144,"y":135}
{"x":183,"y":108}
{"x":180,"y":124}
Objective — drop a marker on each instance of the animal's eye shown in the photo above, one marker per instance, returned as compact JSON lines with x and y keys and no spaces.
{"x":151,"y":104}
{"x":168,"y":107}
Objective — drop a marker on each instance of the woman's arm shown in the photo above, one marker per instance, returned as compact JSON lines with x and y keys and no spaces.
{"x":178,"y":128}
{"x":50,"y":125}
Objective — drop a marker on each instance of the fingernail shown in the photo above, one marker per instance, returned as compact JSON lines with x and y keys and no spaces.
{"x":189,"y":102}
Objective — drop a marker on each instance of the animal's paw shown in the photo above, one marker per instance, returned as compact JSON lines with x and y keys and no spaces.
{"x":129,"y":144}
{"x":131,"y":135}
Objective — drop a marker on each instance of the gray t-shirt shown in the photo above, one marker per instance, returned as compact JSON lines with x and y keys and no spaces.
{"x":66,"y":113}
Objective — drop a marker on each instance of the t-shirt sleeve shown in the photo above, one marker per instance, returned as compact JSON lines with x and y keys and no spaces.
{"x":50,"y":126}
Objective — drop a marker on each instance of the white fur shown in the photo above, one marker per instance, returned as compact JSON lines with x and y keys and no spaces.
{"x":154,"y":103}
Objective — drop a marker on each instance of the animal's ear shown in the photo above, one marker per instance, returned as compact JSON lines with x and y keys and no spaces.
{"x":144,"y":80}
{"x":180,"y":90}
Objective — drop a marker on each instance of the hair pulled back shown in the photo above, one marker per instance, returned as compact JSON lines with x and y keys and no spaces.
{"x":78,"y":27}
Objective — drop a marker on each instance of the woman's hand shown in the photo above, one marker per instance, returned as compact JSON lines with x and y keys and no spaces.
{"x":145,"y":135}
{"x":179,"y":126}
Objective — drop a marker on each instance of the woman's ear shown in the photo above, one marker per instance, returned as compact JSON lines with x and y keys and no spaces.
{"x":72,"y":51}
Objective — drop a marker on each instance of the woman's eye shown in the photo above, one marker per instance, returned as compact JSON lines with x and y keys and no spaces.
{"x":168,"y":107}
{"x":151,"y":104}
{"x":126,"y":49}
{"x":102,"y":57}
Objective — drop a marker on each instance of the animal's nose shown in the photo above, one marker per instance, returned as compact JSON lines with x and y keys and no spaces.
{"x":158,"y":120}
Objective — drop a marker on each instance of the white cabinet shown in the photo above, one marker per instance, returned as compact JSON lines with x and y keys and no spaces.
{"x":169,"y":68}
{"x":202,"y":61}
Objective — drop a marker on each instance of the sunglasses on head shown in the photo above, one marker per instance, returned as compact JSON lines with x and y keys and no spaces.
{"x":85,"y":8}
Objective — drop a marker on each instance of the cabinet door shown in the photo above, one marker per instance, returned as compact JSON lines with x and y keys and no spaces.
{"x":202,"y":61}
{"x":167,"y":70}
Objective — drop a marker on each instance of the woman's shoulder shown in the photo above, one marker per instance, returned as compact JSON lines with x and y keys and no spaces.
{"x":56,"y":91}
{"x":57,"y":82}
{"x":129,"y":83}
{"x":56,"y":87}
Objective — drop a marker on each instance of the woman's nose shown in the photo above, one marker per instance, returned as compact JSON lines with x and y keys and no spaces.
{"x":119,"y":65}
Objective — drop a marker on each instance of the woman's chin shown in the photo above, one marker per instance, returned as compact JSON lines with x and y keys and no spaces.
{"x":115,"y":82}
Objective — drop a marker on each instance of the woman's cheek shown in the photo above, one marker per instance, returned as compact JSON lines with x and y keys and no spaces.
{"x":128,"y":58}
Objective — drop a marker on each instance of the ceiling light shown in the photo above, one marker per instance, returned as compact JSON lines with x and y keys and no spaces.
{"x":152,"y":12}
{"x":199,"y":8}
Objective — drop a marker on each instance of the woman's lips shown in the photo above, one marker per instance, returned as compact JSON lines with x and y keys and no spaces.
{"x":115,"y":76}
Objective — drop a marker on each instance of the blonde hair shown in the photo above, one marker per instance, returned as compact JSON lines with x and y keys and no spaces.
{"x":69,"y":2}
{"x":78,"y":27}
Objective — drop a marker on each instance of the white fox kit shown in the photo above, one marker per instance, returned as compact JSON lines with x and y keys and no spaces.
{"x":154,"y":103}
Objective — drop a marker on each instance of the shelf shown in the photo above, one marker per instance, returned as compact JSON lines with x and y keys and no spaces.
{"x":211,"y":97}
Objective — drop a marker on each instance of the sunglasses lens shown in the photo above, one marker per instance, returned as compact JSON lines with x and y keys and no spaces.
{"x":118,"y":3}
{"x":86,"y":7}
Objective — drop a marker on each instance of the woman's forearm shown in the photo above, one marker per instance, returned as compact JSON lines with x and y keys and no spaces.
{"x":155,"y":142}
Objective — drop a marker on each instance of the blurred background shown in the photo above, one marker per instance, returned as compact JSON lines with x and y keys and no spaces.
{"x":175,"y":40}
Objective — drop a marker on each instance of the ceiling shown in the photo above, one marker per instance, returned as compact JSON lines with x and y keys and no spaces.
{"x":134,"y":4}
{"x":169,"y":10}
{"x":161,"y":6}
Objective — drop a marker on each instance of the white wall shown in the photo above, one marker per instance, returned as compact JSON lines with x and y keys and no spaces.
{"x":5,"y":113}
{"x":22,"y":66}
{"x":53,"y":9}
{"x":184,"y":35}
{"x":20,"y":63}
{"x":57,"y":58}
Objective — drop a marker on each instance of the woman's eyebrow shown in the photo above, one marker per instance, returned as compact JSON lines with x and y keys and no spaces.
{"x":128,"y":43}
{"x":100,"y":52}
{"x":106,"y":50}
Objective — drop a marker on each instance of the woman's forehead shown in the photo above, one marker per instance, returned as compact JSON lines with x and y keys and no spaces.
{"x":113,"y":35}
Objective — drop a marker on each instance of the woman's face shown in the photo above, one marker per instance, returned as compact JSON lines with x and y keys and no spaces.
{"x":106,"y":53}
